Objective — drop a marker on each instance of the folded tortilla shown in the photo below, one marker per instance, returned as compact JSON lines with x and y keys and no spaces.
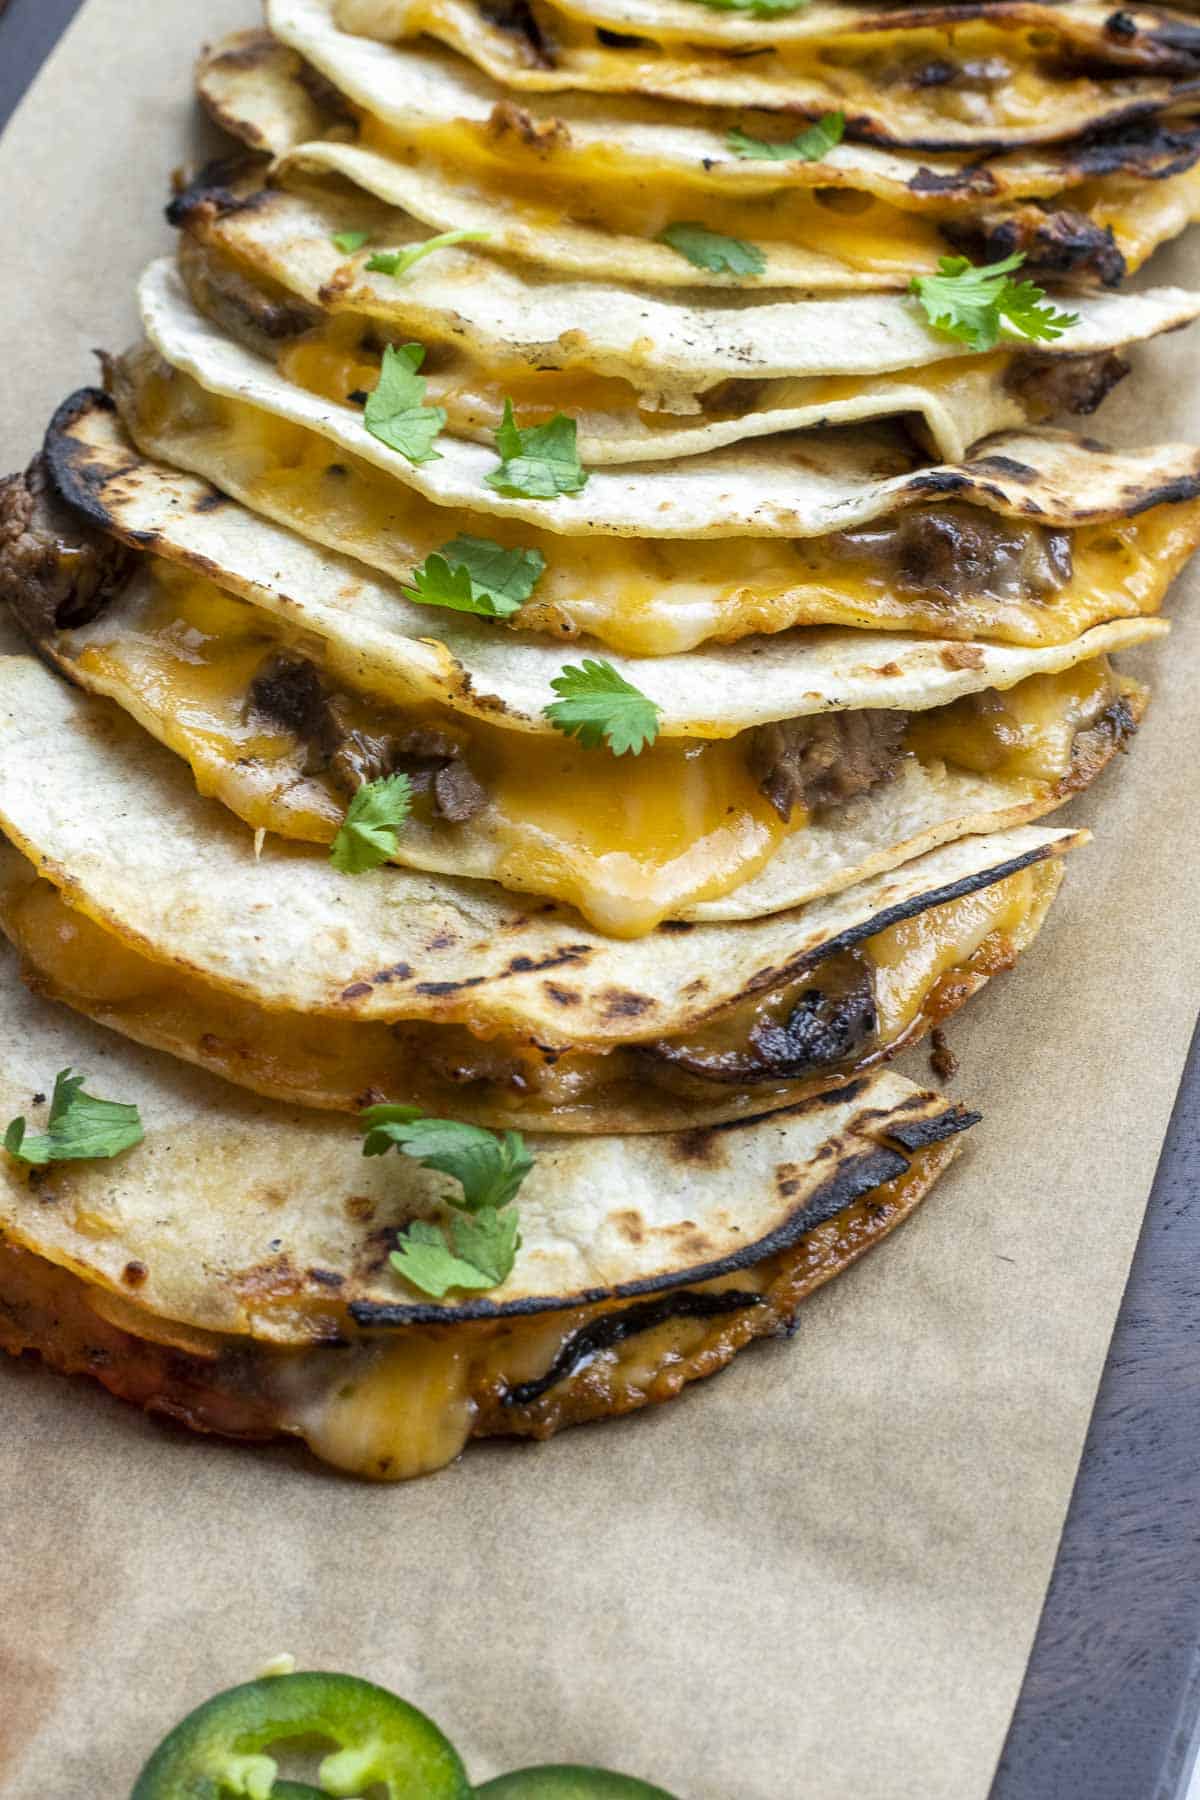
{"x":151,"y":910}
{"x":232,"y":1270}
{"x":457,"y":154}
{"x":802,"y":485}
{"x":644,"y":378}
{"x":255,"y":659}
{"x":1019,"y":73}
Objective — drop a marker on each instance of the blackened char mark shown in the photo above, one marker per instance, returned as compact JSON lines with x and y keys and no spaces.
{"x":923,"y":1132}
{"x":518,"y":20}
{"x":614,"y":1328}
{"x":57,"y":571}
{"x":1063,"y":242}
{"x":211,"y":193}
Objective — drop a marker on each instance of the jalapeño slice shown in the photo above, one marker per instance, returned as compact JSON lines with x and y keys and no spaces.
{"x":221,"y":1749}
{"x":563,"y":1781}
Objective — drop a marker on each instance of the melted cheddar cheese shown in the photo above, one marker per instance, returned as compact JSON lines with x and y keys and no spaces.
{"x":646,"y":597}
{"x":337,"y":1063}
{"x":388,"y":1406}
{"x":629,"y":841}
{"x":1020,"y":80}
{"x":868,"y":234}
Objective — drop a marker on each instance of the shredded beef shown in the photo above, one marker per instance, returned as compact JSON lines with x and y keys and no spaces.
{"x":1050,"y":385}
{"x":518,"y":20}
{"x":248,"y":310}
{"x":956,"y":551}
{"x":827,"y":760}
{"x":1055,"y":243}
{"x":805,"y":1031}
{"x":543,"y":135}
{"x":56,"y":571}
{"x":288,"y":689}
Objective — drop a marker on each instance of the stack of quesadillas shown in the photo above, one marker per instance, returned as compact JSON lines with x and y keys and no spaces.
{"x":570,"y":616}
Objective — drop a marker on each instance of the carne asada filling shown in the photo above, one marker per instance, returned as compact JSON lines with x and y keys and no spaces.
{"x":841,"y":1013}
{"x":270,"y":723}
{"x":338,"y":356}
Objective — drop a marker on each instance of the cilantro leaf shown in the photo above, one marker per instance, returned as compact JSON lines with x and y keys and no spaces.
{"x":396,"y":412}
{"x":489,"y":1240}
{"x":80,"y":1128}
{"x":758,"y":9}
{"x":370,"y":831}
{"x":597,"y":705}
{"x":475,"y":575}
{"x":425,"y":1259}
{"x":540,"y":462}
{"x":488,"y":1168}
{"x":977,"y":304}
{"x":350,"y":241}
{"x":806,"y":146}
{"x":399,"y":262}
{"x":706,"y":249}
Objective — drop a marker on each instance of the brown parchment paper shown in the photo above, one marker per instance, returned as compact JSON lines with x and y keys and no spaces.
{"x":816,"y":1578}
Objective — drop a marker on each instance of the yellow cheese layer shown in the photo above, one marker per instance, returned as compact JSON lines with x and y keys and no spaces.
{"x":540,"y":184}
{"x":336,"y":361}
{"x":628,"y":840}
{"x":1019,"y":82}
{"x":648,"y":597}
{"x":922,"y":973}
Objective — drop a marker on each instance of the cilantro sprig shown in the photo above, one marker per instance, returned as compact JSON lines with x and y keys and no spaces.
{"x":370,"y":831}
{"x":81,"y":1128}
{"x":399,"y":262}
{"x":489,"y":1168}
{"x":706,"y":249}
{"x":538,"y":462}
{"x":758,"y":9}
{"x":396,"y":411}
{"x":350,"y":241}
{"x":599,"y":706}
{"x":477,"y":575}
{"x":807,"y":146}
{"x":979,"y":303}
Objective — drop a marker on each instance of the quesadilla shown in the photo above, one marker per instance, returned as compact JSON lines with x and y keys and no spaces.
{"x":587,"y":187}
{"x":148,"y":911}
{"x":1033,"y":540}
{"x":644,"y":377}
{"x":1018,"y":72}
{"x":285,"y":693}
{"x":232,"y":1272}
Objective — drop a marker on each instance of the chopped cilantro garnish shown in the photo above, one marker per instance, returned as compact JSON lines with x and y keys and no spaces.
{"x":538,"y":462}
{"x":978,"y":304}
{"x":370,"y":831}
{"x":350,"y":241}
{"x":475,"y":575}
{"x":706,"y":249}
{"x":396,"y":412}
{"x":806,"y":146}
{"x":80,"y":1128}
{"x":599,"y":706}
{"x":758,"y":9}
{"x":489,"y":1169}
{"x":399,"y":262}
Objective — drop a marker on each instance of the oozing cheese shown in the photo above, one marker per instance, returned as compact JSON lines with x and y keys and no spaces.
{"x":1018,"y":78}
{"x":397,"y":1404}
{"x":332,"y":1062}
{"x":648,"y":597}
{"x":629,"y":841}
{"x":869,"y":234}
{"x":964,"y":398}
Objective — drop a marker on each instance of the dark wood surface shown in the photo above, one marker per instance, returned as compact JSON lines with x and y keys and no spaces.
{"x":1111,"y":1698}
